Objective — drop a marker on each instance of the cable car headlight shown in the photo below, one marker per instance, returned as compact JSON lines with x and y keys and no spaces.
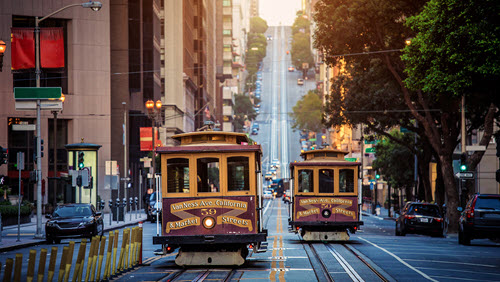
{"x":326,"y":213}
{"x":208,"y":222}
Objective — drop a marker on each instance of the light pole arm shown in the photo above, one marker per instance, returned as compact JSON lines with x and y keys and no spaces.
{"x":55,"y":12}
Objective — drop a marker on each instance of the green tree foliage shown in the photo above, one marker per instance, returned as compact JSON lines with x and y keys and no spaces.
{"x":307,"y":112}
{"x":301,"y":50}
{"x":362,"y":26}
{"x":394,"y":160}
{"x":258,"y":25}
{"x":243,"y":110}
{"x":301,"y":43}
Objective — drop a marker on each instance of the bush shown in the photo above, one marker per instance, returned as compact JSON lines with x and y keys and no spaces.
{"x":10,"y":211}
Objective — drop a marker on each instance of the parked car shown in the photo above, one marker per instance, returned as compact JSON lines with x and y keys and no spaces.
{"x":291,"y":68}
{"x":423,"y":218}
{"x":73,"y":221}
{"x":267,"y":194}
{"x":480,"y":219}
{"x":255,"y":131}
{"x":286,"y":197}
{"x":154,"y":208}
{"x":255,"y":125}
{"x":300,"y":81}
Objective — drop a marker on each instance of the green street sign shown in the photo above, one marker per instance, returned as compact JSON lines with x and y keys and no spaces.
{"x":312,"y":139}
{"x":36,"y":93}
{"x":370,"y":150}
{"x":371,"y":141}
{"x":351,"y":159}
{"x":403,"y":130}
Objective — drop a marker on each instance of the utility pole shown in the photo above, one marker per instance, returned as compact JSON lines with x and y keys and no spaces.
{"x":125,"y":171}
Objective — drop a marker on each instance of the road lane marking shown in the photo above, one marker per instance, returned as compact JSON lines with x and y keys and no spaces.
{"x":400,"y":260}
{"x":265,"y":209}
{"x":345,"y":265}
{"x":453,"y":262}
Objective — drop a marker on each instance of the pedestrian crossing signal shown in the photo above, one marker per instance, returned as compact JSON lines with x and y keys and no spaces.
{"x":81,"y":160}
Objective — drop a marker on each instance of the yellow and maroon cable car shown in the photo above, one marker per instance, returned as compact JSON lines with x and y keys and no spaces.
{"x":212,"y":198}
{"x":324,"y":196}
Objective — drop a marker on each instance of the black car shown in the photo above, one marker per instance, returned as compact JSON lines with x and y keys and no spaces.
{"x":73,"y":221}
{"x":423,"y":218}
{"x":480,"y":219}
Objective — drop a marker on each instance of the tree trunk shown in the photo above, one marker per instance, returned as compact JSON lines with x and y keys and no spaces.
{"x":425,"y":181}
{"x":440,"y":199}
{"x":451,"y":192}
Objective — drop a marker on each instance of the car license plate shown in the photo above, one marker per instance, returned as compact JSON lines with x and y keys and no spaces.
{"x":424,"y":220}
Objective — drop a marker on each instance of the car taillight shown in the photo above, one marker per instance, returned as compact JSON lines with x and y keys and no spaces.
{"x":438,"y":219}
{"x":410,"y":216}
{"x":470,"y":213}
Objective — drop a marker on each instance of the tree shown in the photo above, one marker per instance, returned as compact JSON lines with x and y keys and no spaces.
{"x":301,"y":24}
{"x":301,"y":51}
{"x":243,"y":110}
{"x":258,"y":25}
{"x":307,"y":112}
{"x":361,"y":26}
{"x":395,"y":161}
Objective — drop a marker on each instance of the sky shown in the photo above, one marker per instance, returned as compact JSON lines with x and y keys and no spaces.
{"x":276,"y":11}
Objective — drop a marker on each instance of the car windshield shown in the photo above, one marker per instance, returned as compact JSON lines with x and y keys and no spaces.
{"x":488,"y":203}
{"x":72,"y":211}
{"x":425,"y":210}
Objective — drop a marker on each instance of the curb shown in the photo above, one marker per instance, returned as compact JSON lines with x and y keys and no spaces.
{"x":42,"y":241}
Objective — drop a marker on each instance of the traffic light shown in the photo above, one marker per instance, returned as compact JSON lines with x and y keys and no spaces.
{"x":463,"y":162}
{"x":377,"y":176}
{"x":41,"y":148}
{"x":81,"y":160}
{"x":4,"y":156}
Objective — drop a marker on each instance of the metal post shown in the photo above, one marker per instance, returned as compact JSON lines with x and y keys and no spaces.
{"x":136,"y":202}
{"x":415,"y":172}
{"x":55,"y":152}
{"x":110,"y":211}
{"x":19,"y":208}
{"x":131,"y":203}
{"x":157,"y":208}
{"x":125,"y":169}
{"x":38,"y":233}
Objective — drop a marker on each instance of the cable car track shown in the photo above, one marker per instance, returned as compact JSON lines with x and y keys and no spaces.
{"x":203,"y":274}
{"x":320,"y":268}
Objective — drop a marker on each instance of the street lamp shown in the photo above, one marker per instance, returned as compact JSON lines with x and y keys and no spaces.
{"x":154,"y":110}
{"x":95,"y":6}
{"x":3,"y":46}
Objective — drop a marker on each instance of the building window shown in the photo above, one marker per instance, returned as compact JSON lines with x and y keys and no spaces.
{"x":226,"y":3}
{"x":226,"y":32}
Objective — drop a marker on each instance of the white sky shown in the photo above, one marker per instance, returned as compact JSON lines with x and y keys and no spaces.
{"x":276,"y":11}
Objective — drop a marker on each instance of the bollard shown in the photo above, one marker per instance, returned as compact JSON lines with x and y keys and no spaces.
{"x":79,"y":261}
{"x":119,"y":267}
{"x":136,"y":256}
{"x":115,"y":247}
{"x":94,"y":259}
{"x":62,"y":265}
{"x":8,"y":270}
{"x":41,"y":264}
{"x":18,"y":267}
{"x":136,"y":200}
{"x":133,"y":245}
{"x":52,"y":264}
{"x":101,"y":255}
{"x":91,"y":257}
{"x":131,"y":202}
{"x":69,"y":260}
{"x":108,"y":256}
{"x":127,"y":246}
{"x":31,"y":266}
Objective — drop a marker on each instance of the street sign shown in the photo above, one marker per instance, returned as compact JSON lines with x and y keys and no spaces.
{"x":370,"y":150}
{"x":125,"y":179}
{"x":351,"y":159}
{"x":465,"y":175}
{"x":85,"y":177}
{"x":371,"y":186}
{"x":26,"y":105}
{"x":371,"y":141}
{"x":20,"y":160}
{"x":475,"y":148}
{"x":23,"y":127}
{"x":37,"y":93}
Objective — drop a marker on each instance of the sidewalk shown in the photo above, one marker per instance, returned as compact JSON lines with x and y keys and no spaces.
{"x":28,"y":230}
{"x":383,"y":215}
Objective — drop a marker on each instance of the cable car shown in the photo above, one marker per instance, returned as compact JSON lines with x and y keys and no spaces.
{"x":325,"y":196}
{"x":212,"y":198}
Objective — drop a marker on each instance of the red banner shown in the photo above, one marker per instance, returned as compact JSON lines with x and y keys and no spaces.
{"x":52,"y":47}
{"x":23,"y":48}
{"x":146,"y":139}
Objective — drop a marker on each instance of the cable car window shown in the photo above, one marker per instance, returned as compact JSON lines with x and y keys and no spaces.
{"x":238,"y":174}
{"x":306,"y":181}
{"x":208,"y":175}
{"x":178,"y":175}
{"x":326,"y":181}
{"x":346,"y":180}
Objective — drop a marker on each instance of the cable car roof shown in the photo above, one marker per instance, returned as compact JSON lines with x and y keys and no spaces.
{"x":324,"y":157}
